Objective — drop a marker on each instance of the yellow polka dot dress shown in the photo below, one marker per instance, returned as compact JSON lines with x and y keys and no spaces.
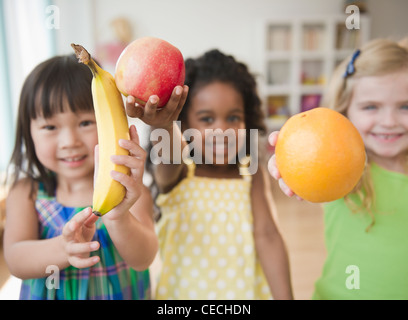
{"x":206,"y":241}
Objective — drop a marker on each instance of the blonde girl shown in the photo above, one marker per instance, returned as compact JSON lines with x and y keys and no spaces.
{"x":366,"y":236}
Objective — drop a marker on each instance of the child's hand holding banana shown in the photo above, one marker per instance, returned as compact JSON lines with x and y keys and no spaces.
{"x":133,"y":183}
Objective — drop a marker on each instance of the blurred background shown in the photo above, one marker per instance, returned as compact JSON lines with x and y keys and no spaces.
{"x":292,"y":46}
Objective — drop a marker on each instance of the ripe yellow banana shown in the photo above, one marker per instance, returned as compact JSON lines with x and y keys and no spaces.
{"x":112,"y":125}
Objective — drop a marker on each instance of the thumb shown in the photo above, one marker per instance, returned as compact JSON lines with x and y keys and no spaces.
{"x":273,"y":138}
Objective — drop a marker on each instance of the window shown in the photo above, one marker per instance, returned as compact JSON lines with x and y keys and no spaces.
{"x":26,"y":39}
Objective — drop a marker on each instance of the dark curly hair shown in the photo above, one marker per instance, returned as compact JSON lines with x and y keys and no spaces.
{"x":217,"y":66}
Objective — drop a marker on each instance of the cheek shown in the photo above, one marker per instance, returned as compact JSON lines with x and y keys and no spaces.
{"x":241,"y":138}
{"x":45,"y":152}
{"x":363,"y":123}
{"x":91,"y":141}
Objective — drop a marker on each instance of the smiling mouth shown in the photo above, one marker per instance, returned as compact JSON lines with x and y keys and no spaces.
{"x":73,"y":159}
{"x":387,"y":137}
{"x":220,"y":147}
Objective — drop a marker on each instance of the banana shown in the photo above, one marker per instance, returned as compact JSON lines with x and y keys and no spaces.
{"x":112,"y":125}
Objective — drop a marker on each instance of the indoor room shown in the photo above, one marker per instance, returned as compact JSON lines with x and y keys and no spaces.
{"x":291,"y":48}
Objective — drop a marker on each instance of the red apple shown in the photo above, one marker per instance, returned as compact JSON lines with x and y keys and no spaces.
{"x":149,"y":66}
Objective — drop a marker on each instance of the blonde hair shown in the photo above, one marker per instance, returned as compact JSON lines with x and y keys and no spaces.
{"x":377,"y":57}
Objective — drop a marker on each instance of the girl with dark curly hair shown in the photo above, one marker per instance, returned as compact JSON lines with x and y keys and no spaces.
{"x":217,"y":232}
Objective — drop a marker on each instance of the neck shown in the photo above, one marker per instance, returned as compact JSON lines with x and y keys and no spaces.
{"x":229,"y":171}
{"x":396,"y":164}
{"x":75,"y":192}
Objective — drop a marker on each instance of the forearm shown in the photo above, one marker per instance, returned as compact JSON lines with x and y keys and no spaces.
{"x":167,"y":154}
{"x":136,"y":243}
{"x":275,"y":264}
{"x":168,"y":142}
{"x":29,"y":259}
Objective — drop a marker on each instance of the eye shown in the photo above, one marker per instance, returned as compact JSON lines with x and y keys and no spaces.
{"x":370,"y":107}
{"x":86,"y":123}
{"x":49,"y":127}
{"x":234,"y":118}
{"x":404,"y":107}
{"x":207,"y":119}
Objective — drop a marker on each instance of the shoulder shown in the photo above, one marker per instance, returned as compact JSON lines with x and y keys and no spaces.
{"x":21,"y":197}
{"x":21,"y":217}
{"x":24,"y":189}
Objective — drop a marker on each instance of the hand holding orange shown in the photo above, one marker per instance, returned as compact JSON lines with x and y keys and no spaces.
{"x":320,"y":155}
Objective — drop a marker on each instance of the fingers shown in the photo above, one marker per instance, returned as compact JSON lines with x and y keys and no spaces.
{"x":135,"y":161}
{"x":286,"y":190}
{"x":161,"y":116}
{"x":133,"y":146}
{"x":150,"y":109}
{"x":135,"y":151}
{"x":133,"y":110}
{"x":134,"y":135}
{"x":183,"y":97}
{"x":136,"y":165}
{"x":81,"y":248}
{"x":77,"y":248}
{"x":273,"y":169}
{"x":79,"y":262}
{"x":177,"y":99}
{"x":131,"y":183}
{"x":75,"y":223}
{"x":90,"y":222}
{"x":273,"y":138}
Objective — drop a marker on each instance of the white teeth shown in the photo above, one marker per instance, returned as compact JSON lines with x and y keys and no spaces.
{"x":387,"y":136}
{"x":73,"y":159}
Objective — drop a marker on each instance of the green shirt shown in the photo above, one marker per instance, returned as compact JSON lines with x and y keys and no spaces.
{"x":370,"y":264}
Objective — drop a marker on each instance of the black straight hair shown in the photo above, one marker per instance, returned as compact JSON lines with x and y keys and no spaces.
{"x":56,"y":85}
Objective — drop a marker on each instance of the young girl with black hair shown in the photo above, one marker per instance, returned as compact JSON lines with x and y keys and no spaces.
{"x":50,"y":228}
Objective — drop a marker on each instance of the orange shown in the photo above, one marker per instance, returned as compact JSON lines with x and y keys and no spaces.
{"x":320,"y":155}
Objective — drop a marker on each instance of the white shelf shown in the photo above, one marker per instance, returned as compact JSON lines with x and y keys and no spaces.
{"x":298,"y":57}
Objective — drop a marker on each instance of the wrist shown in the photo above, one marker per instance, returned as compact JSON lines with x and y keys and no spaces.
{"x":167,"y":126}
{"x":64,"y":256}
{"x":110,"y":220}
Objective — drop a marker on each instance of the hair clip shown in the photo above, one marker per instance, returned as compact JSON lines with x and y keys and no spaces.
{"x":350,"y":67}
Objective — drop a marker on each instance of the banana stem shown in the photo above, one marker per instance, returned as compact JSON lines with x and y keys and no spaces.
{"x":85,"y":58}
{"x":97,"y":213}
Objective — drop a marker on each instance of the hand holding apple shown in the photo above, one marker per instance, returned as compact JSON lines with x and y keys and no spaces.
{"x":158,"y":117}
{"x":149,"y":67}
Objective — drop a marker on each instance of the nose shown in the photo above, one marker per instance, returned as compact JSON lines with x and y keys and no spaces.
{"x":221,"y":125}
{"x":69,"y":138}
{"x":389,"y":118}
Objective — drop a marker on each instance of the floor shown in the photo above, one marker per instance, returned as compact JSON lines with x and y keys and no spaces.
{"x":302,"y":228}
